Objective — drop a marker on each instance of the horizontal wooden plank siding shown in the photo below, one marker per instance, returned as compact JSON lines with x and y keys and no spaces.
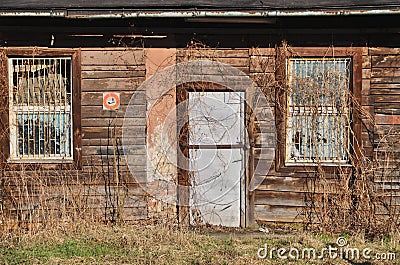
{"x":123,"y":71}
{"x":385,"y":91}
{"x":281,"y":197}
{"x":238,"y":58}
{"x":97,"y":79}
{"x":385,"y":80}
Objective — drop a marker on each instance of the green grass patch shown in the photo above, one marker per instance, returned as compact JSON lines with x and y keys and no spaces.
{"x":43,"y":252}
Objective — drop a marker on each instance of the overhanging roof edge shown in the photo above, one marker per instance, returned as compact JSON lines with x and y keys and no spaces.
{"x":125,"y":13}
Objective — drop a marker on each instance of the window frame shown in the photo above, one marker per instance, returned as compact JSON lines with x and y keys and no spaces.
{"x":75,"y":162}
{"x":281,"y":108}
{"x":329,"y":110}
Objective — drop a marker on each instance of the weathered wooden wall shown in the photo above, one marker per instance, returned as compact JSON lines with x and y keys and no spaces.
{"x":113,"y":70}
{"x":282,"y":196}
{"x":385,"y":102}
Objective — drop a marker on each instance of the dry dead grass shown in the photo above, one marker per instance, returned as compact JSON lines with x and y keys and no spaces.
{"x":157,"y":244}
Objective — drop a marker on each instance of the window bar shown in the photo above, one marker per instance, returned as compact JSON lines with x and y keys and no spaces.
{"x":55,"y":111}
{"x":40,"y":103}
{"x":337,"y":67}
{"x":319,"y":152}
{"x":28,"y":108}
{"x":48,"y":108}
{"x":346,"y":139}
{"x":32,"y":104}
{"x":342,"y":111}
{"x":70,"y":102}
{"x":62,"y":111}
{"x":343,"y":151}
{"x":32,"y":109}
{"x":303,"y":76}
{"x":344,"y":114}
{"x":31,"y":130}
{"x":298,"y":72}
{"x":36,"y":110}
{"x":21,"y":91}
{"x":59,"y":112}
{"x":63,"y":123}
{"x":324,"y":138}
{"x":37,"y":104}
{"x":28,"y":105}
{"x":332,"y":113}
{"x":42,"y":121}
{"x":57,"y":80}
{"x":66,"y":121}
{"x":336,"y":143}
{"x":309,"y":124}
{"x":339,"y":138}
{"x":44,"y":104}
{"x":62,"y":104}
{"x":328,"y":142}
{"x":53,"y":108}
{"x":35,"y":74}
{"x":66,"y":130}
{"x":15,"y":102}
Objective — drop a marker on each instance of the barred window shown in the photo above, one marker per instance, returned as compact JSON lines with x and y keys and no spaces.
{"x":40,"y":105}
{"x":318,"y":123}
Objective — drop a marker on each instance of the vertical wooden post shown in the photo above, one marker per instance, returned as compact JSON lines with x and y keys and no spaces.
{"x":4,"y":129}
{"x":183,"y":192}
{"x":76,"y":101}
{"x":280,"y":106}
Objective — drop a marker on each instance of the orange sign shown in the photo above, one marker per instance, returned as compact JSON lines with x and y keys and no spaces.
{"x":111,"y":101}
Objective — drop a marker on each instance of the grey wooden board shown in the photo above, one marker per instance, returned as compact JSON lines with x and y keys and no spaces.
{"x":249,"y":4}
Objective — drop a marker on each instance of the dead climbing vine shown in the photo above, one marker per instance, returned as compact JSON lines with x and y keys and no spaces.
{"x":356,"y":195}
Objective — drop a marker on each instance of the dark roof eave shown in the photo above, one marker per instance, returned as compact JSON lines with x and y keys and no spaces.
{"x":126,"y":13}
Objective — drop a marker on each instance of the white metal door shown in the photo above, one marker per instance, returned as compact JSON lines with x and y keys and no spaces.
{"x":217,"y":158}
